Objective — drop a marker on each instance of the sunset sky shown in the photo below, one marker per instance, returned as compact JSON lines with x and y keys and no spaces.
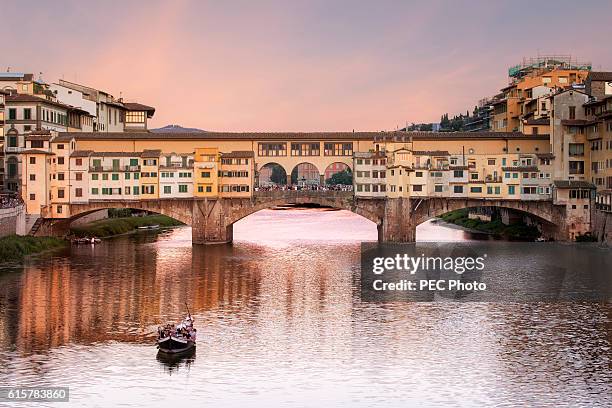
{"x":297,"y":65}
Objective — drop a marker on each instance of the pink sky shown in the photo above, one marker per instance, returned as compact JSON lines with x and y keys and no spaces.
{"x":298,"y":66}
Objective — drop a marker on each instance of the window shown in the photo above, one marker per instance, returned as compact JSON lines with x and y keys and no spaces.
{"x":60,"y":193}
{"x":127,"y":190}
{"x":475,"y":189}
{"x":515,"y":175}
{"x":417,"y":187}
{"x":182,"y":188}
{"x":438,"y":188}
{"x":572,"y":112}
{"x":78,"y":192}
{"x":27,"y":113}
{"x":32,"y":197}
{"x":491,"y":162}
{"x":135,"y":190}
{"x":576,"y":167}
{"x":338,"y":149}
{"x":200,"y":189}
{"x":474,"y":176}
{"x":94,"y":176}
{"x":272,"y":149}
{"x":60,"y":160}
{"x":135,"y":117}
{"x":78,"y":162}
{"x":105,"y":176}
{"x":206,"y":174}
{"x":167,"y":189}
{"x":94,"y":191}
{"x":418,"y":174}
{"x":32,"y":177}
{"x":115,"y":176}
{"x":59,"y":209}
{"x":60,"y":176}
{"x":32,"y":160}
{"x":511,"y":190}
{"x":305,"y":149}
{"x":127,"y":176}
{"x":529,"y":190}
{"x":458,"y":173}
{"x":458,"y":189}
{"x":576,"y":149}
{"x":12,"y":114}
{"x":209,"y":189}
{"x":60,"y":147}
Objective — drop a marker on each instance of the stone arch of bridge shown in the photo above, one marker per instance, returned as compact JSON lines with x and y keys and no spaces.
{"x":372,"y":211}
{"x":550,"y":217}
{"x":180,"y":210}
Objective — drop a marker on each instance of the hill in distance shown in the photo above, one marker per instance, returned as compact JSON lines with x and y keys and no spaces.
{"x":176,"y":129}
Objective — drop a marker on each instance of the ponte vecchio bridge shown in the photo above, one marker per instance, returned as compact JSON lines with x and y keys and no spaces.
{"x":473,"y":170}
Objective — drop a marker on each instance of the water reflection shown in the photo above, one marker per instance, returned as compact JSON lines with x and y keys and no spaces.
{"x":281,"y":322}
{"x":173,"y":363}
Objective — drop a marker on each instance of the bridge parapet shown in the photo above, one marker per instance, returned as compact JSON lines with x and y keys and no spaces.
{"x":288,"y":194}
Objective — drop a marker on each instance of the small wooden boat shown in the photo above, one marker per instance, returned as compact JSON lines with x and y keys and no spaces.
{"x":148,"y":227}
{"x":86,"y":241}
{"x":180,"y":339}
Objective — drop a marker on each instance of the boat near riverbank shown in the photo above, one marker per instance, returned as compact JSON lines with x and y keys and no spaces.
{"x":148,"y":227}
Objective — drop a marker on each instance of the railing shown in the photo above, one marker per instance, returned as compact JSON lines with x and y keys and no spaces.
{"x":282,"y":194}
{"x":113,"y":168}
{"x":12,"y":149}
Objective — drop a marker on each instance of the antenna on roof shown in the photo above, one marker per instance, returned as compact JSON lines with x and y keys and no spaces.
{"x":8,"y":69}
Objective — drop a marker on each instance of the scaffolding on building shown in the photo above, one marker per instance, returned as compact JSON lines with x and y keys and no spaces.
{"x":544,"y":63}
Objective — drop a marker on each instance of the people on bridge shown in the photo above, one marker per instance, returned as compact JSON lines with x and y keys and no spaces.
{"x":307,"y":187}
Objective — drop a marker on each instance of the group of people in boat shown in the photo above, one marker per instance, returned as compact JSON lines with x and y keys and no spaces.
{"x":184,"y":330}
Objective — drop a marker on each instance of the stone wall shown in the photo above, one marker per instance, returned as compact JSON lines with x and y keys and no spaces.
{"x":602,"y":226}
{"x":12,"y":221}
{"x":91,"y":217}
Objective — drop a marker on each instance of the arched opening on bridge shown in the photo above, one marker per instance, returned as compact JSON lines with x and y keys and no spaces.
{"x":485,"y":223}
{"x":103,"y":222}
{"x":338,"y":173}
{"x":305,"y":175}
{"x":279,"y":226}
{"x":271,"y":174}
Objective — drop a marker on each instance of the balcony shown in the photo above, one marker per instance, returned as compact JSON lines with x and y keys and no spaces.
{"x":12,"y":149}
{"x":111,"y":169}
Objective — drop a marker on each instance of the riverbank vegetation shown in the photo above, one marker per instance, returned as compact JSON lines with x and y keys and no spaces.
{"x":15,"y":247}
{"x":121,"y":225}
{"x":516,"y":231}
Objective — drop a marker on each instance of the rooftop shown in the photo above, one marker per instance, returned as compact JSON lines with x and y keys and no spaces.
{"x":600,"y":76}
{"x":305,"y":136}
{"x":573,"y":184}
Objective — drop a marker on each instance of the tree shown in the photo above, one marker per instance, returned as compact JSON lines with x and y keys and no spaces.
{"x":344,"y":177}
{"x":278,"y":175}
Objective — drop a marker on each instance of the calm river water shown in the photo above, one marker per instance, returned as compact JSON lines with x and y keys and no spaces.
{"x":280,"y":322}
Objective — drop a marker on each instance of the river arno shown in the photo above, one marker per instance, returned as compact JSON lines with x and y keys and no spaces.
{"x":281,"y":323}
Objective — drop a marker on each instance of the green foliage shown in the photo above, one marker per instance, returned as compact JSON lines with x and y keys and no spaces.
{"x":516,"y":231}
{"x":116,"y":226}
{"x":119,"y":212}
{"x":15,"y":247}
{"x":344,"y":177}
{"x":278,"y":176}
